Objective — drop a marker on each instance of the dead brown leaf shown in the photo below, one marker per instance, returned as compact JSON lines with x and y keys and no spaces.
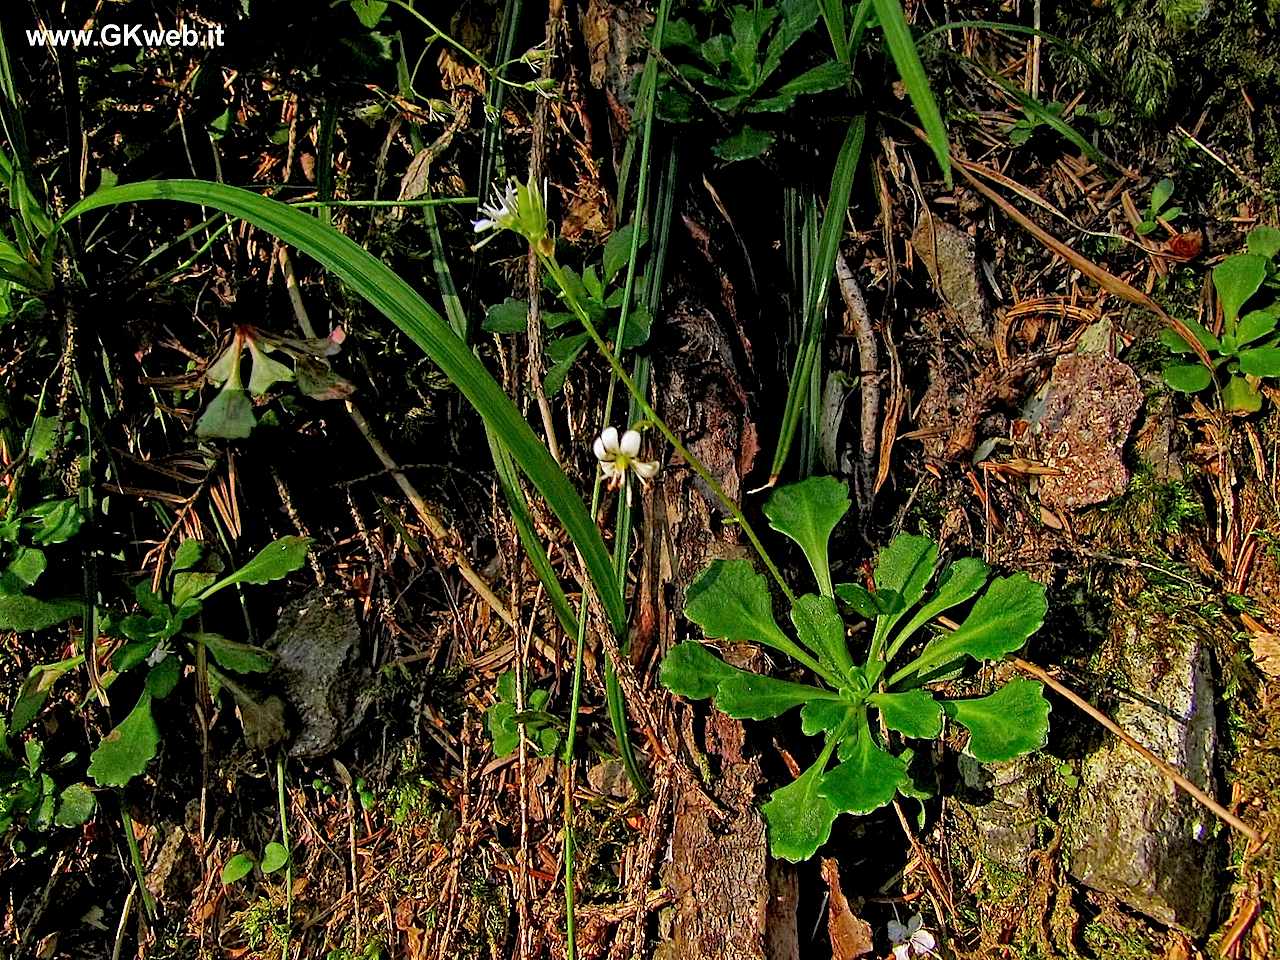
{"x":850,"y":935}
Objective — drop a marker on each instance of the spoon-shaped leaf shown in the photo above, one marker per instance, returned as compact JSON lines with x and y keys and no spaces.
{"x":799,"y":818}
{"x":1010,"y":722}
{"x":807,"y":512}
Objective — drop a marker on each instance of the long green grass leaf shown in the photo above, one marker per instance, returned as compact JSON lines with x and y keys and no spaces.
{"x":897,"y":36}
{"x":798,"y":390}
{"x":394,"y":298}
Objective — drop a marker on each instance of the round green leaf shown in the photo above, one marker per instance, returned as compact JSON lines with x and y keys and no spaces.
{"x":237,"y":868}
{"x":1237,"y":279}
{"x":1260,"y":362}
{"x":274,"y":857}
{"x":914,"y":713}
{"x":75,"y":805}
{"x":125,"y":751}
{"x":1240,"y":396}
{"x":691,"y":670}
{"x":1010,"y":722}
{"x":1187,"y":377}
{"x":1264,"y":241}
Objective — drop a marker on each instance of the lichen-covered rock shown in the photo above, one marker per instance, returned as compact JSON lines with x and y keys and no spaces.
{"x":1135,"y":835}
{"x":1088,"y":413}
{"x":1003,"y":803}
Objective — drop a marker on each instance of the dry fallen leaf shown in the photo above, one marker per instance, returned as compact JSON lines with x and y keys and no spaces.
{"x":850,"y":936}
{"x":1265,"y":645}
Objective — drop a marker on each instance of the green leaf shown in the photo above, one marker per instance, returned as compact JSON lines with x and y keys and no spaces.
{"x":1260,"y":362}
{"x":503,"y":729}
{"x":730,"y":600}
{"x":1237,"y":279}
{"x":229,"y":416}
{"x":273,"y":562}
{"x":958,"y":582}
{"x":75,"y":805}
{"x":1187,"y":377}
{"x":820,"y":627}
{"x":1000,"y":622}
{"x":125,"y":751}
{"x":27,"y":565}
{"x":1160,"y":195}
{"x":21,"y":613}
{"x":509,"y":316}
{"x":237,"y":868}
{"x":317,"y":380}
{"x":824,"y":716}
{"x":903,"y":569}
{"x":35,"y":690}
{"x":749,"y":696}
{"x":1264,"y":242}
{"x":691,"y":670}
{"x":59,"y":521}
{"x":825,"y":76}
{"x":799,"y":818}
{"x":866,"y":778}
{"x":1010,"y":722}
{"x":163,"y":677}
{"x":914,"y":713}
{"x":747,"y":144}
{"x":808,"y":512}
{"x":369,"y":13}
{"x":1174,"y":341}
{"x":234,"y":656}
{"x":265,"y":371}
{"x":1256,"y":324}
{"x":617,"y":249}
{"x":274,"y":856}
{"x":1238,"y":396}
{"x":392,"y":295}
{"x":902,"y":47}
{"x":43,"y":439}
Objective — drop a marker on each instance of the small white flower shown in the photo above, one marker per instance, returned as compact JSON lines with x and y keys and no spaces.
{"x":911,"y":939}
{"x":618,"y":454}
{"x":500,"y":212}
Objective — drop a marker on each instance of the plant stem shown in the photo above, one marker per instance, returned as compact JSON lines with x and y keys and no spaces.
{"x":288,"y":863}
{"x":554,"y":269}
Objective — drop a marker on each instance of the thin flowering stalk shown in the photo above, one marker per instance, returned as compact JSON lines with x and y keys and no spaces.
{"x":553,"y":267}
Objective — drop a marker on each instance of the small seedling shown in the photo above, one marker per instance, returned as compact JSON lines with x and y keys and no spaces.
{"x":505,"y":720}
{"x":158,"y":638}
{"x":31,"y":798}
{"x":1248,"y":348}
{"x":1161,"y":193}
{"x":731,"y":602}
{"x":274,"y":857}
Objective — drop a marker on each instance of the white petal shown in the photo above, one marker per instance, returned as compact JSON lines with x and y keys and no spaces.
{"x":630,"y":444}
{"x":610,"y":470}
{"x":598,"y":447}
{"x":901,"y":952}
{"x":482,"y":225}
{"x":897,"y":932}
{"x":609,"y":437}
{"x":645,"y":469}
{"x":923,"y":941}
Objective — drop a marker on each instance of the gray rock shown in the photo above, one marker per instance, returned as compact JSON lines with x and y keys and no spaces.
{"x":948,"y":254}
{"x":1136,"y":836}
{"x":1003,"y":804}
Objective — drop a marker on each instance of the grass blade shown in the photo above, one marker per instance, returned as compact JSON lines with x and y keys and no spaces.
{"x":394,"y":298}
{"x":798,"y":390}
{"x":897,"y":36}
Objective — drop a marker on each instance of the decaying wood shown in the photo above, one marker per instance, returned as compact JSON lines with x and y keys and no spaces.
{"x":869,"y":383}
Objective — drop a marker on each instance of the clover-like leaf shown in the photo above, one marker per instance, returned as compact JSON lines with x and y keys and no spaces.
{"x":273,"y":562}
{"x":730,"y":600}
{"x":264,"y":371}
{"x":749,"y":696}
{"x":799,"y":818}
{"x":691,"y":670}
{"x":125,"y":751}
{"x":866,"y":778}
{"x":820,"y":627}
{"x":807,"y":512}
{"x":1010,"y":722}
{"x":912,"y":712}
{"x":1237,"y":279}
{"x":1000,"y":622}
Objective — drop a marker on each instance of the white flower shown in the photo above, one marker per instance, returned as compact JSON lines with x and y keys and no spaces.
{"x":617,"y":455}
{"x":500,"y":212}
{"x":910,"y":939}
